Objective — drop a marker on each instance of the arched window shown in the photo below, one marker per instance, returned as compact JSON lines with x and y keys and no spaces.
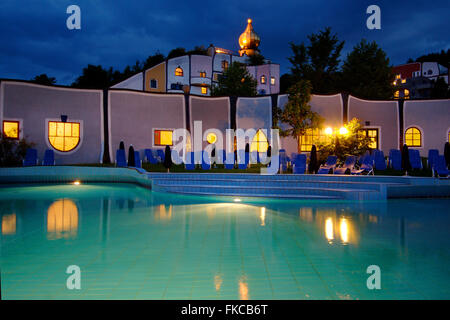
{"x":263,"y":79}
{"x":259,"y":142}
{"x":179,"y":71}
{"x":413,"y":137}
{"x":64,"y":136}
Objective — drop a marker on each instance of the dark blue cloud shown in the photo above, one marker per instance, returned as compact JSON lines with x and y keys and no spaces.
{"x":34,"y":37}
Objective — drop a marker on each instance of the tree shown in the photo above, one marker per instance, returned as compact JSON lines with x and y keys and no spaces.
{"x":177,"y":52}
{"x":297,"y":113}
{"x":442,"y":58}
{"x":353,"y":142}
{"x":153,"y":60}
{"x":44,"y":79}
{"x":256,"y":59}
{"x":317,"y":62}
{"x":200,"y":50}
{"x":366,"y":72}
{"x":235,"y":81}
{"x":94,"y":77}
{"x":440,"y":89}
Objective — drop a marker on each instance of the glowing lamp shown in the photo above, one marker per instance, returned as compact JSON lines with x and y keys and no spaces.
{"x":343,"y":130}
{"x":328,"y":131}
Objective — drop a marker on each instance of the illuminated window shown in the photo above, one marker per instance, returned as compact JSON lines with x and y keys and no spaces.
{"x":413,"y":137}
{"x":216,"y":76}
{"x":224,"y":64}
{"x":153,"y":84}
{"x":259,"y":142}
{"x":11,"y":129}
{"x":204,"y":90}
{"x":311,"y":137}
{"x":162,"y":138}
{"x":406,"y":94}
{"x":272,"y":81}
{"x":179,"y":71}
{"x":396,"y":94}
{"x":63,"y":136}
{"x":211,"y":137}
{"x":403,"y":80}
{"x":263,"y":79}
{"x":373,"y":135}
{"x":203,"y":74}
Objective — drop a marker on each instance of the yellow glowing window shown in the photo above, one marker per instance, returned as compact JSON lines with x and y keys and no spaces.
{"x":396,"y":94}
{"x":63,"y":136}
{"x":397,"y":76}
{"x":413,"y":137}
{"x":203,"y":74}
{"x":272,"y":81}
{"x":62,"y":220}
{"x":311,"y":137}
{"x":263,"y":79}
{"x":204,"y":90}
{"x":403,"y":80}
{"x":259,"y":142}
{"x":163,"y":138}
{"x":373,"y":135}
{"x":406,"y":94}
{"x":224,"y":64}
{"x":11,"y":129}
{"x":179,"y":72}
{"x":211,"y":137}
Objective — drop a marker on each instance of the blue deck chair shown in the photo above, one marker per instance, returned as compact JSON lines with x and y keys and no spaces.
{"x":299,"y":163}
{"x":366,"y":166}
{"x":161,"y":155}
{"x":121,"y":159}
{"x":31,"y":158}
{"x":49,"y":158}
{"x":329,"y":166}
{"x":150,"y":156}
{"x":242,"y":159}
{"x":440,"y":167}
{"x":379,"y":161}
{"x":191,"y":165}
{"x":433,"y":154}
{"x":348,"y":165}
{"x":229,"y":161}
{"x":414,"y":159}
{"x":395,"y":159}
{"x":137,"y":159}
{"x":284,"y":159}
{"x":206,"y":161}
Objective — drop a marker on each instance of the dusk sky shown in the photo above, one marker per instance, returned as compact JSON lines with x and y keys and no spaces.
{"x":35,"y":38}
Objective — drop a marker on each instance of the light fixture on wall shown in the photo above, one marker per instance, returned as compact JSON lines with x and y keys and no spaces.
{"x":63,"y":118}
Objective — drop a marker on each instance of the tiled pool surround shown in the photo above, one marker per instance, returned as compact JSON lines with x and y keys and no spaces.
{"x":238,"y":184}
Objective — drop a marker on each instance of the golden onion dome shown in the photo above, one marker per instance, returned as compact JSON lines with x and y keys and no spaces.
{"x":249,"y":39}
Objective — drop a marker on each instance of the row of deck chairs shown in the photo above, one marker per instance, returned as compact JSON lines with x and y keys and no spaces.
{"x":31,"y":158}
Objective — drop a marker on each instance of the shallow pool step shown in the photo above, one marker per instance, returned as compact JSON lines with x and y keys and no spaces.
{"x":268,"y":191}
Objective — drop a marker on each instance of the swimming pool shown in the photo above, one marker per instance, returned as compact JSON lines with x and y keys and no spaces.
{"x":134,"y":243}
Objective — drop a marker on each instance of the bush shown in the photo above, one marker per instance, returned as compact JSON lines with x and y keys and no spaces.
{"x":12,"y":151}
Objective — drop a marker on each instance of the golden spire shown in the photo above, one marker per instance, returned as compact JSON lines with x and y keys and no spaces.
{"x":249,"y":40}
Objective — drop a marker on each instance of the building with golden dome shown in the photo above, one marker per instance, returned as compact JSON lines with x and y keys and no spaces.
{"x":196,"y":74}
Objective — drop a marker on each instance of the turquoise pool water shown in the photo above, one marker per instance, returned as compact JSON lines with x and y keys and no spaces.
{"x":132,"y":243}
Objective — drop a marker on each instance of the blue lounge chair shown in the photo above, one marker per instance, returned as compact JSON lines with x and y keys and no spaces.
{"x":348,"y":166}
{"x":31,"y":158}
{"x":191,"y":164}
{"x":229,"y":161}
{"x":150,"y":156}
{"x":121,"y":159}
{"x":414,"y":159}
{"x":284,"y":159}
{"x":379,"y":161}
{"x":242,"y":159}
{"x":49,"y":158}
{"x":160,"y":154}
{"x":433,"y":154}
{"x":395,"y":159}
{"x":137,"y":159}
{"x":206,"y":161}
{"x":440,"y":167}
{"x":299,"y":164}
{"x":366,"y":166}
{"x":329,"y":166}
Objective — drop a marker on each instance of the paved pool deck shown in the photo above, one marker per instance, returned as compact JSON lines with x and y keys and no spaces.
{"x":291,"y":186}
